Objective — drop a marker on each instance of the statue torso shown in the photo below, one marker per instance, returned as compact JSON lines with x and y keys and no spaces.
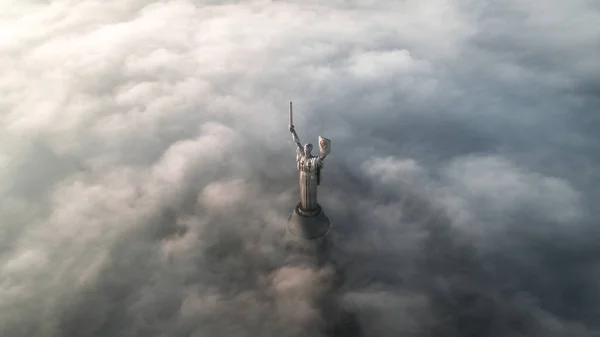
{"x":309,"y":164}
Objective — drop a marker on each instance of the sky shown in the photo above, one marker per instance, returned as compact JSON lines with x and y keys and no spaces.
{"x":146,"y":169}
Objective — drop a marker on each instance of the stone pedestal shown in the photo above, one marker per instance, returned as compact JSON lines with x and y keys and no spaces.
{"x":308,"y":235}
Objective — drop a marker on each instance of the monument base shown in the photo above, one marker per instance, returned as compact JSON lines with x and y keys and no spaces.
{"x":307,"y":235}
{"x":308,"y":225}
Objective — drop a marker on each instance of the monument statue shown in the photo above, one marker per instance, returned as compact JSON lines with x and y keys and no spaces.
{"x":308,"y":226}
{"x":309,"y":167}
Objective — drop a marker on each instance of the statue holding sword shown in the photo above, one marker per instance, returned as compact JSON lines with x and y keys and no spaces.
{"x":310,"y":167}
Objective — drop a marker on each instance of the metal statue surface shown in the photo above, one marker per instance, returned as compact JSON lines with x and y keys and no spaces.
{"x":309,"y":167}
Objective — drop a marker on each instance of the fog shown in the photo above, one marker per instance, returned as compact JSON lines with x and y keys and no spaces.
{"x":147,"y":173}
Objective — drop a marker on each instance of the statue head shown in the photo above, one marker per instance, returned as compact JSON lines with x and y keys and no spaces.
{"x":307,"y":149}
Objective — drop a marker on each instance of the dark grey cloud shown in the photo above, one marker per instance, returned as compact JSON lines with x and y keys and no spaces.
{"x":147,"y":175}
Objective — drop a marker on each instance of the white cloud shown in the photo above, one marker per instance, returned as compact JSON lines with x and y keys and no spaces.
{"x":492,"y":193}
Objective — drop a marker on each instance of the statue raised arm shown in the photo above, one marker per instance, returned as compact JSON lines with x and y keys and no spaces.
{"x":293,"y":131}
{"x":295,"y":137}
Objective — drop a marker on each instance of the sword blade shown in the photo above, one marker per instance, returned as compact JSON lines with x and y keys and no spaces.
{"x":291,"y":115}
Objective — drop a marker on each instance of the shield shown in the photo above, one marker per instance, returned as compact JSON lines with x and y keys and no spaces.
{"x":324,"y":147}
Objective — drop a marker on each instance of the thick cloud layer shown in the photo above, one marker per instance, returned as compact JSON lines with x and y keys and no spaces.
{"x":147,"y":173}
